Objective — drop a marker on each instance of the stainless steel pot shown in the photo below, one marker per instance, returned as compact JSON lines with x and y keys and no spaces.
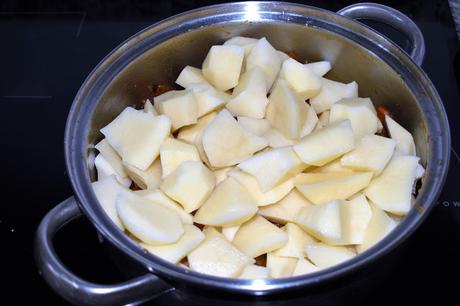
{"x":155,"y":55}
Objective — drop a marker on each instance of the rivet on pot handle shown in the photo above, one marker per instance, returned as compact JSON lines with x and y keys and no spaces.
{"x":71,"y":287}
{"x":393,"y":18}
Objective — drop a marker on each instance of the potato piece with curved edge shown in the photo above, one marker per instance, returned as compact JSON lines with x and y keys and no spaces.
{"x":297,"y":240}
{"x":159,"y":197}
{"x":286,"y":110}
{"x":148,"y":179}
{"x":254,"y":272}
{"x":356,"y":215}
{"x":190,"y":184}
{"x":249,"y":97}
{"x":326,"y":144}
{"x":180,"y":106}
{"x":262,"y":198}
{"x":324,"y":256}
{"x":319,"y":68}
{"x":229,"y":204}
{"x":176,"y":251}
{"x":190,"y":75}
{"x":273,"y":167}
{"x":301,"y":78}
{"x":112,"y":157}
{"x":331,"y":92}
{"x":258,"y":236}
{"x":358,"y":110}
{"x":279,"y":266}
{"x":222,"y":66}
{"x":304,"y":266}
{"x":372,"y":153}
{"x":151,"y":222}
{"x":190,"y":133}
{"x":286,"y":209}
{"x":321,"y":188}
{"x":105,"y":169}
{"x":174,"y":152}
{"x":106,"y":191}
{"x":255,"y":126}
{"x":230,"y":232}
{"x":392,"y":190}
{"x":216,"y":256}
{"x":404,"y":140}
{"x":265,"y":56}
{"x":226,"y":143}
{"x":379,"y":226}
{"x":137,"y":136}
{"x":208,"y":99}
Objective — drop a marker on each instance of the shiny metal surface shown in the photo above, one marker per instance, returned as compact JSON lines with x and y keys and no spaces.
{"x":155,"y":56}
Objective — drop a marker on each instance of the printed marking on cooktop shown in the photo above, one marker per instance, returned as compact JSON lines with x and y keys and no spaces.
{"x":80,"y":24}
{"x":456,"y":154}
{"x":453,"y":203}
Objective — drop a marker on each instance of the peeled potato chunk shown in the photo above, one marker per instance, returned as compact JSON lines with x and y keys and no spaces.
{"x":152,"y":223}
{"x":180,"y":106}
{"x":230,"y":232}
{"x":221,"y":174}
{"x":319,"y":68}
{"x":222,"y":66}
{"x":279,"y":266}
{"x":255,"y":272}
{"x":286,"y":110}
{"x":301,"y":78}
{"x":159,"y":197}
{"x":321,"y":188}
{"x":208,"y":99}
{"x":404,"y":140}
{"x":356,"y":215}
{"x":105,"y":169}
{"x":331,"y":167}
{"x":189,"y":133}
{"x":190,"y":184}
{"x":286,"y":209}
{"x":265,"y":56}
{"x":310,"y":122}
{"x":148,"y":179}
{"x":273,"y":167}
{"x":297,"y":240}
{"x":244,"y":42}
{"x":372,"y":153}
{"x":112,"y":157}
{"x":229,"y":204}
{"x":331,"y":92}
{"x":174,"y":252}
{"x":379,"y":226}
{"x":216,"y":256}
{"x":137,"y":136}
{"x":359,"y":111}
{"x":258,"y":236}
{"x":174,"y":152}
{"x":262,"y":198}
{"x":324,"y":256}
{"x":276,"y":139}
{"x":392,"y":190}
{"x":149,"y":108}
{"x":326,"y":144}
{"x":106,"y":191}
{"x":303,"y":266}
{"x":255,"y":126}
{"x":190,"y":75}
{"x":226,"y":143}
{"x":249,"y":98}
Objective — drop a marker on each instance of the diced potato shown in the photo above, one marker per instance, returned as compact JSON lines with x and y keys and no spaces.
{"x":208,"y":99}
{"x":258,"y":236}
{"x":286,"y":209}
{"x":174,"y":152}
{"x":176,"y":251}
{"x":331,"y":167}
{"x":324,"y":256}
{"x":216,"y":256}
{"x":190,"y":184}
{"x":303,"y":266}
{"x":321,"y":188}
{"x":230,"y":232}
{"x":221,"y":174}
{"x":222,"y":66}
{"x":319,"y":68}
{"x":112,"y":157}
{"x":404,"y":140}
{"x":180,"y":106}
{"x":255,"y":272}
{"x":244,"y":42}
{"x":226,"y":143}
{"x":148,"y":179}
{"x":286,"y":111}
{"x":189,"y":133}
{"x":331,"y":92}
{"x":137,"y":136}
{"x":105,"y":169}
{"x":372,"y":153}
{"x":279,"y":266}
{"x":273,"y":167}
{"x":392,"y":190}
{"x":265,"y":56}
{"x":276,"y":139}
{"x":152,"y":223}
{"x":106,"y":191}
{"x":310,"y":122}
{"x":297,"y":240}
{"x":301,"y":78}
{"x":190,"y":75}
{"x":149,"y":108}
{"x":229,"y":204}
{"x":256,"y":126}
{"x":326,"y":144}
{"x":324,"y":118}
{"x":356,"y":215}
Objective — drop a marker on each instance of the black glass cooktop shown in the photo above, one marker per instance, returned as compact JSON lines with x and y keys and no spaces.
{"x":46,"y":51}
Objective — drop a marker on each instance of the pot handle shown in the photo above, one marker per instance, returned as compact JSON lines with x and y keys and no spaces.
{"x":393,"y":18}
{"x":74,"y":289}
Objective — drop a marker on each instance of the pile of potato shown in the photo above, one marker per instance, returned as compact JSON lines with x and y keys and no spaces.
{"x":259,"y":168}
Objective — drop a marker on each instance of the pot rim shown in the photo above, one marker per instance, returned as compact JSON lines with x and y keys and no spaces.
{"x":428,"y":100}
